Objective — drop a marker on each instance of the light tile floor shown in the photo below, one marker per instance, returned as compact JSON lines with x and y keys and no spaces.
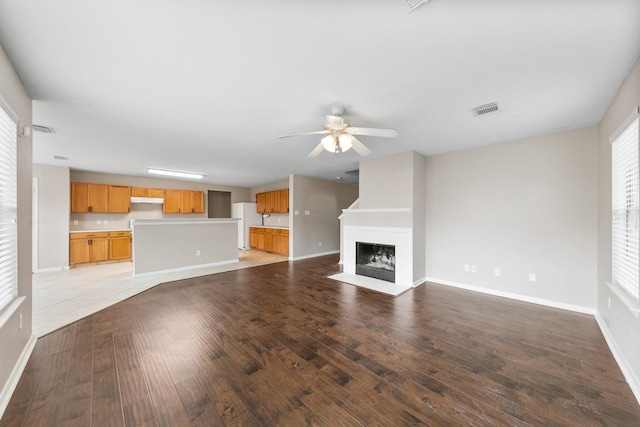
{"x":62,"y":297}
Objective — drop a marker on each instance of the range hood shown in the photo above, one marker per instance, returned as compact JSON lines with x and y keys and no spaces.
{"x":155,"y":200}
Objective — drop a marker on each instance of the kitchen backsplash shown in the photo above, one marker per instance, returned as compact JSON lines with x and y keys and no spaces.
{"x":277,"y":220}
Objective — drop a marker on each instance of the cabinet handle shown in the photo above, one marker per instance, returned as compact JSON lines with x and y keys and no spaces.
{"x":90,"y":209}
{"x":90,"y":242}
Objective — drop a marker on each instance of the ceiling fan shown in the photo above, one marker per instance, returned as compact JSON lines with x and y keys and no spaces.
{"x":342,"y":137}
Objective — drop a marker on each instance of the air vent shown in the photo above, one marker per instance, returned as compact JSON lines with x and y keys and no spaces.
{"x":482,"y":110}
{"x":355,"y":172}
{"x":60,"y":157}
{"x":414,"y":4}
{"x":42,"y":129}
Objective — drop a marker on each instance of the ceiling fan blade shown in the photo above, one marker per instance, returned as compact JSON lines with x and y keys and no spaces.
{"x":316,"y":151}
{"x":359,"y":147}
{"x":318,"y":132}
{"x":386,"y":133}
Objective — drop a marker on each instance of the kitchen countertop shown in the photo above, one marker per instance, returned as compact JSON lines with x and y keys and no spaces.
{"x":269,"y":226}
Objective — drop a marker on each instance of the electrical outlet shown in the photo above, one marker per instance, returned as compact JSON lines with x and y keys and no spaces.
{"x":307,"y":212}
{"x":609,"y":302}
{"x":20,"y":322}
{"x":296,"y":212}
{"x":466,"y":267}
{"x":532,"y":277}
{"x":99,"y":222}
{"x":198,"y":252}
{"x":105,"y":221}
{"x":319,"y":243}
{"x":76,"y":222}
{"x":497,"y":272}
{"x":473,"y":269}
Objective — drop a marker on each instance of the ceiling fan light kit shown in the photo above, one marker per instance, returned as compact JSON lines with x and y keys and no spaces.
{"x":341,"y":137}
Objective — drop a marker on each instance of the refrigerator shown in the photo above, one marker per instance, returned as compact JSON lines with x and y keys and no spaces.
{"x":248,"y":217}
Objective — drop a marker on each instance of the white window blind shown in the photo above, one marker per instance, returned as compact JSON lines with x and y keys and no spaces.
{"x":8,"y":210}
{"x":626,"y":209}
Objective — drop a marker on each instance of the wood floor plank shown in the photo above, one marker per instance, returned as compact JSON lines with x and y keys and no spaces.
{"x":282,"y":344}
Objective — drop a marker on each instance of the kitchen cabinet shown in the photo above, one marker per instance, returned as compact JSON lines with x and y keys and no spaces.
{"x":147,"y":192}
{"x":88,"y":247}
{"x":156,"y":192}
{"x":198,"y":202}
{"x":183,"y":201}
{"x":87,"y":197}
{"x":266,"y":239}
{"x":172,"y":201}
{"x":261,"y":202}
{"x":273,"y":201}
{"x":119,"y":245}
{"x":119,"y":199}
{"x":284,"y":201}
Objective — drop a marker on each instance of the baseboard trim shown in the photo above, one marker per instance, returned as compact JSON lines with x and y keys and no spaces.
{"x":632,"y":380}
{"x":14,"y":378}
{"x":189,"y":267}
{"x":518,"y":297}
{"x":419,"y":282}
{"x":313,"y":255}
{"x":47,"y":270}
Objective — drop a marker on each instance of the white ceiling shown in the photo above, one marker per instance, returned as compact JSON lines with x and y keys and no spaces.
{"x":207,"y":86}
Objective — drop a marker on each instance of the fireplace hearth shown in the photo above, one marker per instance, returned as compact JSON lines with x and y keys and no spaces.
{"x":376,"y":260}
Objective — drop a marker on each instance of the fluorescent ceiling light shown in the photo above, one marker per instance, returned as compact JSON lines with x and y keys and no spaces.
{"x":174,"y":173}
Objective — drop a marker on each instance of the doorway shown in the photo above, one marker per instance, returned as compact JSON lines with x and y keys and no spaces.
{"x":219,"y":204}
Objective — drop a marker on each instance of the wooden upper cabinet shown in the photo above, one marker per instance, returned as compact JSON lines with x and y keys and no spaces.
{"x":119,"y":198}
{"x":273,"y":201}
{"x":172,"y":201}
{"x":89,"y":197}
{"x":186,"y":201}
{"x":261,"y":202}
{"x":198,"y":202}
{"x":284,"y":200}
{"x":156,"y":192}
{"x":139,"y":192}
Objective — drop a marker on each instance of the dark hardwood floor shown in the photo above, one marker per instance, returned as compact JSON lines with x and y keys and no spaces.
{"x":282,"y":345}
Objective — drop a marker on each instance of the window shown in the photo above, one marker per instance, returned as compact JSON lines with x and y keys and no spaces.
{"x":8,"y":210}
{"x":625,"y":198}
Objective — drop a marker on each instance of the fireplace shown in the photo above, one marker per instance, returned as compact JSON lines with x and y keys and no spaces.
{"x":376,"y":260}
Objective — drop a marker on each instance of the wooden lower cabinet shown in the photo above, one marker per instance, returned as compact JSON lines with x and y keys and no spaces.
{"x":99,"y":246}
{"x":274,"y":240}
{"x":119,"y":245}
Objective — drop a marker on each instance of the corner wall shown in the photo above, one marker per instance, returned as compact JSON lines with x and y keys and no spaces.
{"x":324,"y":200}
{"x":16,"y":343}
{"x":53,"y":217}
{"x":620,"y":327}
{"x":527,"y":206}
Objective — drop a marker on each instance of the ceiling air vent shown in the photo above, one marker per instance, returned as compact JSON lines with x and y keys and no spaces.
{"x":414,"y":4}
{"x":43,"y":129}
{"x":483,"y":110}
{"x":60,"y":157}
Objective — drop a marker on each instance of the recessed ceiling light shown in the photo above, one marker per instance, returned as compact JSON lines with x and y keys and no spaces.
{"x":175,"y":173}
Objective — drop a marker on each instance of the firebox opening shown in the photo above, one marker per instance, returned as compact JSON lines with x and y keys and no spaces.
{"x":376,"y":260}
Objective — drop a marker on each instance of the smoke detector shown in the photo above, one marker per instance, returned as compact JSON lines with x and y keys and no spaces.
{"x":484,"y":109}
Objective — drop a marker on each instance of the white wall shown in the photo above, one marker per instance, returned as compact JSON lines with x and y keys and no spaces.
{"x":324,"y":200}
{"x":16,"y":343}
{"x":526,"y":206}
{"x":621,"y":328}
{"x":53,"y":216}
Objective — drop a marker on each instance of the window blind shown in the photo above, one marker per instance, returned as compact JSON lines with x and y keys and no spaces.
{"x":625,"y":197}
{"x":8,"y":210}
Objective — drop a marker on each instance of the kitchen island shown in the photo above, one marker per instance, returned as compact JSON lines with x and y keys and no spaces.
{"x":167,"y":245}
